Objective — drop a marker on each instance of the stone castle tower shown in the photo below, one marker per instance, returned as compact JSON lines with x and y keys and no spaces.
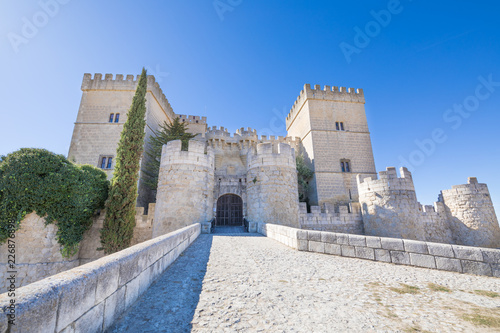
{"x":331,"y":124}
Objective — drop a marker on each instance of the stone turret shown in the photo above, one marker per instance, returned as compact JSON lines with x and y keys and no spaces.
{"x":272,"y":185}
{"x":471,"y":214}
{"x":389,"y":205}
{"x":185,"y":187}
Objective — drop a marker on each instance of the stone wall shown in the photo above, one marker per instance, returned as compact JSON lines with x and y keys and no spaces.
{"x":91,"y":297}
{"x":464,"y":215}
{"x":348,"y":219}
{"x":272,"y":188}
{"x":472,"y":216}
{"x":185,"y":187}
{"x":454,"y":258}
{"x":37,"y":253}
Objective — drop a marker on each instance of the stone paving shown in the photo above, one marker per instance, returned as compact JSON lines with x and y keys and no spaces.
{"x":249,"y":283}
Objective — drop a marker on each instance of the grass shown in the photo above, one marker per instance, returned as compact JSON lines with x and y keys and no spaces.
{"x":482,"y":320}
{"x":487,"y":293}
{"x":437,"y":287}
{"x":405,"y":289}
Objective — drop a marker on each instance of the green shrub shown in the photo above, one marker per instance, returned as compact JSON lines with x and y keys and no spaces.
{"x":36,"y":180}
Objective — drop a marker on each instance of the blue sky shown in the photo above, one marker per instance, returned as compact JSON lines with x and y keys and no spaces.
{"x":243,"y":63}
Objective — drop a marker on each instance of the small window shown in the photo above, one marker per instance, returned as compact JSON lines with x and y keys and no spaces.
{"x":197,"y":121}
{"x":111,"y":117}
{"x":117,"y":117}
{"x":337,"y":126}
{"x":345,"y":165}
{"x":341,"y":124}
{"x":106,"y":162}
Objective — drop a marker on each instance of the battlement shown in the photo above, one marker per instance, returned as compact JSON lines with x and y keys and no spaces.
{"x":472,"y":187}
{"x":244,"y":132}
{"x":127,"y":84}
{"x":217,"y":133}
{"x":192,"y":119}
{"x":198,"y":153}
{"x":388,"y":180}
{"x":271,"y":154}
{"x":329,"y":93}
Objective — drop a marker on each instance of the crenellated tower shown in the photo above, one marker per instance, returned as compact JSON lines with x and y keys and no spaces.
{"x":185,"y":187}
{"x":272,"y":188}
{"x":472,"y":217}
{"x":331,"y":124}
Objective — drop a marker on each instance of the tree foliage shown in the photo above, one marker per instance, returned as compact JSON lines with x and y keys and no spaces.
{"x":36,"y":180}
{"x":119,"y":222}
{"x":166,"y":133}
{"x":304,"y":175}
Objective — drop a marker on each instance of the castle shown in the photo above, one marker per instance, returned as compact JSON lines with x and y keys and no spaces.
{"x":232,"y":177}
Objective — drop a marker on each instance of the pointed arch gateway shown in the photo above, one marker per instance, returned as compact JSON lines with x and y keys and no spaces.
{"x":229,"y":210}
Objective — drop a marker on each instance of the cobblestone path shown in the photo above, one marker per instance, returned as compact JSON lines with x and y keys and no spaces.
{"x":236,"y":283}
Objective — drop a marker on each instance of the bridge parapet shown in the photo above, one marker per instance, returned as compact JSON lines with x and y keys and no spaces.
{"x":91,"y":297}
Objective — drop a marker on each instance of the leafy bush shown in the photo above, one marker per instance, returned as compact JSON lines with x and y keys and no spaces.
{"x":36,"y":180}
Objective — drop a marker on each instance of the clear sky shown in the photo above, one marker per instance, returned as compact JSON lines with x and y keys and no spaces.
{"x":430,"y":70}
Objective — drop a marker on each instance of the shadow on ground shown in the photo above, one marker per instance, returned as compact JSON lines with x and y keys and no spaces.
{"x":170,"y":303}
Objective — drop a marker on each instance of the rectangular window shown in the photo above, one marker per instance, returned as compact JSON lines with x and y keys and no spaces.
{"x":111,"y":116}
{"x":117,"y":117}
{"x":337,"y":125}
{"x":345,"y":165}
{"x":341,"y":126}
{"x":106,"y":162}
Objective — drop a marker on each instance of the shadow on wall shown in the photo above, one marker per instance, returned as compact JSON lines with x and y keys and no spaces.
{"x":170,"y":303}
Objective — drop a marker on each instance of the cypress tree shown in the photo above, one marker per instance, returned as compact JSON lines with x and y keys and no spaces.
{"x":167,"y":132}
{"x":119,"y":222}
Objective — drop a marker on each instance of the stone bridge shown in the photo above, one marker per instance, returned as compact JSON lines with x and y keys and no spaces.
{"x":230,"y":282}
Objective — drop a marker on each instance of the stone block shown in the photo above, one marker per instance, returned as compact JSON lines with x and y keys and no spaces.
{"x":491,"y":256}
{"x":357,"y":240}
{"x":441,"y":250}
{"x":92,"y":321}
{"x":415,"y":246}
{"x":399,"y":257}
{"x":114,"y":307}
{"x":468,"y":253}
{"x":382,"y":255}
{"x":316,"y":247}
{"x":302,"y":245}
{"x":364,"y":252}
{"x":333,"y":249}
{"x":78,"y":294}
{"x":314,"y":236}
{"x":302,"y":234}
{"x":132,"y":264}
{"x":132,"y":292}
{"x":422,"y":260}
{"x":394,"y":244}
{"x":448,"y":264}
{"x":108,"y":274}
{"x":36,"y":307}
{"x":495,"y":269}
{"x":477,"y":268}
{"x":348,"y":251}
{"x":342,"y":239}
{"x":373,"y":242}
{"x":329,"y":237}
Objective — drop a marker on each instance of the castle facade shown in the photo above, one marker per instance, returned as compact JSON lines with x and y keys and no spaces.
{"x":240,"y":176}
